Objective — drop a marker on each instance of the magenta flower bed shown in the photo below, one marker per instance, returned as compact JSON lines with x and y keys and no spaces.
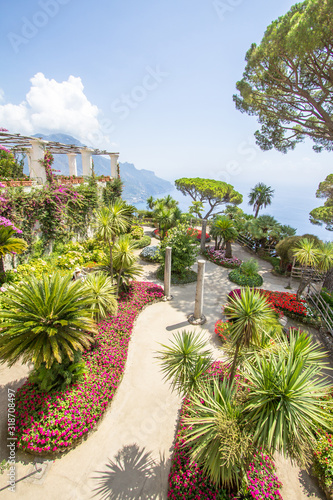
{"x":53,"y":422}
{"x":219,"y":258}
{"x":188,"y":481}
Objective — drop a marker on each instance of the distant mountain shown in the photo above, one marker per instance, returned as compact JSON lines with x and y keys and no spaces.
{"x":138,"y":184}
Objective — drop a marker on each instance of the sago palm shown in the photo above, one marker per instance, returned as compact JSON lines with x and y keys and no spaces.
{"x":185,"y":361}
{"x":104,"y":294}
{"x":249,"y":314}
{"x":46,"y":320}
{"x":111,"y":221}
{"x":224,"y":228}
{"x":9,"y":244}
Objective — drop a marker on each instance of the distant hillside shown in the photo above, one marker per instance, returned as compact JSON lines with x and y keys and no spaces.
{"x":138,"y":184}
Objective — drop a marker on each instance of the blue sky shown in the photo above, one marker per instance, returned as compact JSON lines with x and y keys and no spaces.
{"x":153,"y":80}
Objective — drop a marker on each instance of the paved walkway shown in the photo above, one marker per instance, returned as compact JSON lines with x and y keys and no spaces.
{"x":128,"y":456}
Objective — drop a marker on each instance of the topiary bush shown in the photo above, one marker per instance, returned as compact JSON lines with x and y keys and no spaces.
{"x":137,"y":232}
{"x":236,"y":276}
{"x":184,"y":250}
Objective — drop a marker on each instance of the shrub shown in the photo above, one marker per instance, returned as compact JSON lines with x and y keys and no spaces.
{"x":137,"y":232}
{"x":243,"y":280}
{"x":250,"y":267}
{"x":151,"y":254}
{"x":184,"y":250}
{"x":142,"y":243}
{"x":219,"y":258}
{"x":323,"y":461}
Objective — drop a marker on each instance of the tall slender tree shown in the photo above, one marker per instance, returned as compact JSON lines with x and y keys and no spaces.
{"x":260,"y":196}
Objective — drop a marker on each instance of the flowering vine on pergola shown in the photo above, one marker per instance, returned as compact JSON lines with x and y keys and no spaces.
{"x":35,"y":148}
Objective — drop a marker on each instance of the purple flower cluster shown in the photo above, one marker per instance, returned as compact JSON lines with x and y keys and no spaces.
{"x":219,"y":258}
{"x":7,"y":222}
{"x":53,"y":422}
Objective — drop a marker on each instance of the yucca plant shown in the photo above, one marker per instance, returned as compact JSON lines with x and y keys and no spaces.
{"x":217,"y":438}
{"x":9,"y":243}
{"x":124,"y":256}
{"x":284,"y":404}
{"x":47,"y":321}
{"x":99,"y":286}
{"x":249,"y":314}
{"x":185,"y":361}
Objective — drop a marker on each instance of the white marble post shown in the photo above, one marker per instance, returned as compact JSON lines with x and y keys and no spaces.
{"x":167,"y":274}
{"x":114,"y":162}
{"x":198,"y":317}
{"x":35,"y":157}
{"x":72,"y":164}
{"x":86,"y":162}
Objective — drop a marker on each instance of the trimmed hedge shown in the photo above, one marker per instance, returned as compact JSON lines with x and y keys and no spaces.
{"x":243,"y":280}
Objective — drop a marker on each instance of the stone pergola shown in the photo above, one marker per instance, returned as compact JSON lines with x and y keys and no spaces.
{"x":35,"y":148}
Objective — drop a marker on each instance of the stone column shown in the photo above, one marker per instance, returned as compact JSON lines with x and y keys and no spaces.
{"x":203,"y":235}
{"x":72,"y":164}
{"x":198,"y":317}
{"x":86,"y":161}
{"x":167,"y":274}
{"x":114,"y":162}
{"x":35,"y":157}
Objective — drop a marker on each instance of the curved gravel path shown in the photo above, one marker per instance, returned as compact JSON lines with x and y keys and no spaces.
{"x":128,"y":456}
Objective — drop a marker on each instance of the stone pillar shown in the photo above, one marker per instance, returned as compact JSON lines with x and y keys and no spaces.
{"x":203,"y":235}
{"x":167,"y":274}
{"x":198,"y":318}
{"x":72,"y":164}
{"x":86,"y":162}
{"x":114,"y":162}
{"x":35,"y":157}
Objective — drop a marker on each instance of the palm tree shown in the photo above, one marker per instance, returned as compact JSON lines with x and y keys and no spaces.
{"x":260,"y":196}
{"x":46,"y":321}
{"x":111,"y":221}
{"x":124,"y":256}
{"x":284,"y":400}
{"x":103,"y":292}
{"x":249,"y":314}
{"x":309,"y":254}
{"x":150,"y":203}
{"x":185,"y":361}
{"x":165,"y":218}
{"x":224,"y":228}
{"x":9,"y":244}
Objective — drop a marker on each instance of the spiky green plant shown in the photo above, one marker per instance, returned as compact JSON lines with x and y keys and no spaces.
{"x":124,"y":256}
{"x":250,"y":314}
{"x":47,"y":321}
{"x":218,"y":440}
{"x":185,"y":361}
{"x":104,"y":294}
{"x":9,"y":243}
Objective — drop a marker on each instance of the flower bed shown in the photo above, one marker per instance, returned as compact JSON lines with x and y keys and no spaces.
{"x":236,"y":276}
{"x":219,"y":258}
{"x":188,"y":481}
{"x":197,"y":233}
{"x":220,"y":329}
{"x":55,"y":421}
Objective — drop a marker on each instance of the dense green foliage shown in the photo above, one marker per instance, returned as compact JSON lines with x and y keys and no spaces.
{"x":214,"y":193}
{"x":10,"y":167}
{"x":184,"y":249}
{"x":236,"y":276}
{"x":324,"y":215}
{"x":288,"y":79}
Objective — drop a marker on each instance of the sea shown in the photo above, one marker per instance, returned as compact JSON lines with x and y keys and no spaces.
{"x":289,"y":206}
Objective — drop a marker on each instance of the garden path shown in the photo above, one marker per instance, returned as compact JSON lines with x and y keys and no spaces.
{"x":128,"y":456}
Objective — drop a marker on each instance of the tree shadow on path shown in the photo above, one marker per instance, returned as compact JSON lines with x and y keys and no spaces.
{"x":132,"y":475}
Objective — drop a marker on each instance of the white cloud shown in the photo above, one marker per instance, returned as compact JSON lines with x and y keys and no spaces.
{"x":51,"y":107}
